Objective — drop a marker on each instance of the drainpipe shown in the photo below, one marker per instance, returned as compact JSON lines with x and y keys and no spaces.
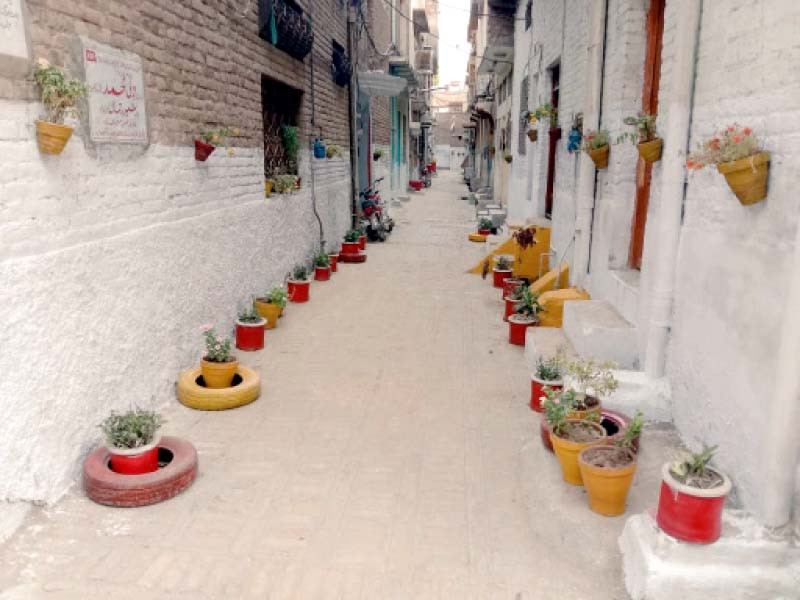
{"x":351,"y":111}
{"x":591,"y":120}
{"x":669,"y":210}
{"x":781,"y":448}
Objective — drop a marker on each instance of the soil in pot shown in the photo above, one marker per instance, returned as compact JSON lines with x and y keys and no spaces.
{"x":576,"y":436}
{"x":607,"y":473}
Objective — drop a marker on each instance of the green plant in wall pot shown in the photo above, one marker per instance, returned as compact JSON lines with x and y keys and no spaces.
{"x":377,"y":154}
{"x":485,"y":224}
{"x":60,"y":96}
{"x":595,"y":144}
{"x":644,"y":136}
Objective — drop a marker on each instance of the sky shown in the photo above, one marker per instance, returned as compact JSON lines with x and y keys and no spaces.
{"x":453,"y":19}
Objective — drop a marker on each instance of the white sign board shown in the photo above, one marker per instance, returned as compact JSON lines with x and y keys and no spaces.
{"x":13,"y":41}
{"x":116,"y":95}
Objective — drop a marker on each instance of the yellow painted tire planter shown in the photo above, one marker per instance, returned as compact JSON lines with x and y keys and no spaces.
{"x":477,"y":237}
{"x":194,"y":395}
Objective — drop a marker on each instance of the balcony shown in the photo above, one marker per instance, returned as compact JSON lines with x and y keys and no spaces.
{"x":282,"y":24}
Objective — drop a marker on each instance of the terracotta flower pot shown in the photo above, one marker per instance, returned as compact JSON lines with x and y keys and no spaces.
{"x":299,"y":291}
{"x":362,"y":242}
{"x":334,"y":262}
{"x":650,"y":151}
{"x":537,"y":391}
{"x":484,"y":231}
{"x":250,"y":336}
{"x":499,"y":276}
{"x":688,"y":513}
{"x":533,"y":134}
{"x":322,"y":273}
{"x":607,"y":486}
{"x":349,"y":248}
{"x":599,"y":156}
{"x":511,"y":306}
{"x":747,"y":177}
{"x":268,"y":184}
{"x":52,"y":137}
{"x":517,"y":326}
{"x":218,"y":375}
{"x":202,"y":151}
{"x":135,"y":461}
{"x":270,"y":312}
{"x":567,"y":452}
{"x":510,"y":284}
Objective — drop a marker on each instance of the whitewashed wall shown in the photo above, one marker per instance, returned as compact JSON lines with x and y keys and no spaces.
{"x":108,"y":267}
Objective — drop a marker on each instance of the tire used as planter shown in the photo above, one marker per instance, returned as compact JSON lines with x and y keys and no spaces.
{"x":544,"y":434}
{"x":360,"y":257}
{"x":334,"y":262}
{"x":299,"y":291}
{"x":688,"y":513}
{"x":567,"y":451}
{"x":607,"y":486}
{"x":202,"y":151}
{"x":104,"y":486}
{"x":650,"y":151}
{"x":747,"y":177}
{"x":499,"y":276}
{"x":245,"y":387}
{"x":52,"y":137}
{"x":322,"y":273}
{"x":616,"y":423}
{"x":517,"y":326}
{"x":537,"y":391}
{"x":599,"y":156}
{"x":268,"y":311}
{"x":250,"y":336}
{"x":134,"y":461}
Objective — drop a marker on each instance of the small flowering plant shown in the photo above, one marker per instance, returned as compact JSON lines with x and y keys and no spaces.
{"x":732,"y":143}
{"x":644,"y":129}
{"x":556,"y":408}
{"x":60,"y":94}
{"x":594,"y":140}
{"x":218,"y":348}
{"x":220,"y":137}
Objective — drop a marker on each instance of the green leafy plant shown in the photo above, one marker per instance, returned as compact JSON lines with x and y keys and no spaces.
{"x":502,"y":264}
{"x":517,"y":292}
{"x":300,"y":273}
{"x":285,"y":183}
{"x":322,"y":260}
{"x":693,"y":470}
{"x":732,"y":143}
{"x":332,"y":151}
{"x":545,"y":111}
{"x":528,"y":303}
{"x":556,"y":407}
{"x":352,"y":236}
{"x":220,"y":137}
{"x":594,"y":140}
{"x":590,"y":375}
{"x":60,"y":94}
{"x":632,"y":432}
{"x":291,"y":143}
{"x":218,"y":348}
{"x":132,"y":429}
{"x":362,"y":230}
{"x":277,"y":295}
{"x":644,"y":129}
{"x":485,"y":223}
{"x":551,"y":369}
{"x":249,"y":315}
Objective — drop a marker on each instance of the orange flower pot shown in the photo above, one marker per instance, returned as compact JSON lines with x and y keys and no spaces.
{"x":567,"y":452}
{"x":650,"y":151}
{"x":747,"y":177}
{"x":599,"y":157}
{"x":217,"y":375}
{"x":270,"y":312}
{"x":52,"y":137}
{"x":607,"y":487}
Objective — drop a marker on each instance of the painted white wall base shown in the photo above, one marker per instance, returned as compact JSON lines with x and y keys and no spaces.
{"x":746,"y":563}
{"x":12,"y":514}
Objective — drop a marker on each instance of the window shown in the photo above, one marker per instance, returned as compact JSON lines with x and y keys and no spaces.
{"x":279,"y":105}
{"x":529,"y":15}
{"x":282,"y":23}
{"x":340,"y":64}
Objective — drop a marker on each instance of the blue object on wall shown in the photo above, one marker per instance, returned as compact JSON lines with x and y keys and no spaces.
{"x":574,"y":140}
{"x":319,"y":148}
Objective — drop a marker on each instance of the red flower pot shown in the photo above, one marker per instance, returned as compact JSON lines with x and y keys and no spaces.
{"x":350,"y":248}
{"x":516,"y":331}
{"x":334,"y":262}
{"x":688,"y":513}
{"x":537,"y":391}
{"x":135,"y":461}
{"x":250,"y":336}
{"x":322,"y":273}
{"x":362,"y":242}
{"x":484,"y":231}
{"x":499,"y":276}
{"x":202,"y":150}
{"x":298,"y":290}
{"x":544,"y":434}
{"x":510,"y":284}
{"x":510,"y":305}
{"x":415,"y":184}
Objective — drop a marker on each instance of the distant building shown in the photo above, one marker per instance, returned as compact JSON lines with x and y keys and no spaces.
{"x":449,"y":113}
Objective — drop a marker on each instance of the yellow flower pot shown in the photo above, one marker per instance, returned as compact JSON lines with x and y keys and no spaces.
{"x":270,"y":312}
{"x":599,"y":156}
{"x":651,"y":151}
{"x":52,"y":137}
{"x":567,"y":452}
{"x":217,"y":375}
{"x":747,"y":177}
{"x":607,"y":487}
{"x":268,"y":188}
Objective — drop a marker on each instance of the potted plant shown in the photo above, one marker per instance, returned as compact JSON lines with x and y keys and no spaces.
{"x":692,"y":497}
{"x":589,"y":381}
{"x":210,"y":139}
{"x":268,"y":185}
{"x":291,"y":144}
{"x":270,"y":306}
{"x":738,"y":155}
{"x":362,"y":237}
{"x":334,"y":259}
{"x":250,"y":330}
{"x":350,"y":244}
{"x":377,"y":154}
{"x":510,"y":284}
{"x":333,"y":151}
{"x":60,"y":97}
{"x":525,"y":237}
{"x":285,"y":183}
{"x":299,"y":284}
{"x":607,"y":471}
{"x":501,"y":271}
{"x":132,"y":440}
{"x":217,"y":367}
{"x":525,"y":315}
{"x":595,"y":144}
{"x":513,"y":300}
{"x":549,"y":373}
{"x":485,"y":226}
{"x":322,"y":267}
{"x":508,"y":157}
{"x":569,"y":436}
{"x":644,"y":136}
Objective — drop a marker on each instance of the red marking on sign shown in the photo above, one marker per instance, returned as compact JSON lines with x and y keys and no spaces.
{"x":91,"y":56}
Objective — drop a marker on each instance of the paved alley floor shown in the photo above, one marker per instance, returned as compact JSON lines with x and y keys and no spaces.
{"x":391,"y":455}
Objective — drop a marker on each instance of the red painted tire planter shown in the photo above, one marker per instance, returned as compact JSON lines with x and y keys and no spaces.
{"x":516,"y":332}
{"x":691,"y":514}
{"x":250,"y":336}
{"x":544,"y":433}
{"x":510,"y":284}
{"x":322,"y":273}
{"x":104,"y":486}
{"x":498,"y":277}
{"x":484,"y":231}
{"x":510,"y":305}
{"x":353,"y":258}
{"x":202,"y":150}
{"x":299,"y":291}
{"x":349,"y":248}
{"x":611,"y":420}
{"x":537,"y":391}
{"x":362,"y":242}
{"x":334,"y":262}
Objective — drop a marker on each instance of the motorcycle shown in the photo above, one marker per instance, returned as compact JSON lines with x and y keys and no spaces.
{"x":425,"y":175}
{"x":377,"y":220}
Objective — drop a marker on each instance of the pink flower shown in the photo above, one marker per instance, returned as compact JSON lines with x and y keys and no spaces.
{"x":217,"y":347}
{"x":737,"y":139}
{"x":731,"y":129}
{"x":219,"y":339}
{"x":747,"y":131}
{"x":206,"y":328}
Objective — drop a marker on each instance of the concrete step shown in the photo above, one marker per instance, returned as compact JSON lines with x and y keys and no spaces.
{"x":596,"y":329}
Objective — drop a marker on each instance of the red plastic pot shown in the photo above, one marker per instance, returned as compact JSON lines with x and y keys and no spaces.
{"x":537,"y":391}
{"x":322,"y":273}
{"x":544,"y":434}
{"x":510,"y":284}
{"x":250,"y":336}
{"x":350,"y":248}
{"x":484,"y":231}
{"x":298,"y":290}
{"x":334,"y":262}
{"x":362,"y":242}
{"x":688,"y":513}
{"x":499,"y":276}
{"x":516,"y":331}
{"x":202,"y":150}
{"x":510,"y":306}
{"x":136,"y":461}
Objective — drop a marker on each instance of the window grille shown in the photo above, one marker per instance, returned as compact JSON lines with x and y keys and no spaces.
{"x":280,"y":105}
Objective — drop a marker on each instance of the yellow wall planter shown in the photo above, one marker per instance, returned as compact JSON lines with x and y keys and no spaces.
{"x":52,"y":137}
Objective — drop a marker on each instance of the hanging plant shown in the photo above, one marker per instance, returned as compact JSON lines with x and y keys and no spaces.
{"x":595,"y":144}
{"x":525,"y":237}
{"x":644,"y":136}
{"x":60,"y":97}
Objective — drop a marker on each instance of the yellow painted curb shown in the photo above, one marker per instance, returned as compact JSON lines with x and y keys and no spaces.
{"x":553,"y":304}
{"x":201,"y":398}
{"x":526,"y":262}
{"x":477,"y":237}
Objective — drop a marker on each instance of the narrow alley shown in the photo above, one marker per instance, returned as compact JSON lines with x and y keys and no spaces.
{"x":392,"y":454}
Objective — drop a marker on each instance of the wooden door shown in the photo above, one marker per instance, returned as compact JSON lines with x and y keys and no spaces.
{"x":644,"y":170}
{"x":554,"y":134}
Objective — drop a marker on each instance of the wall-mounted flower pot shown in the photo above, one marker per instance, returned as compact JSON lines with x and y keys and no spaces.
{"x":334,"y":261}
{"x":322,"y":273}
{"x":533,"y":134}
{"x":517,"y":326}
{"x":747,"y":177}
{"x":218,"y":375}
{"x":511,"y":306}
{"x":567,"y":449}
{"x":350,"y":248}
{"x":484,"y":231}
{"x":688,"y":513}
{"x":299,"y":290}
{"x":202,"y":150}
{"x":52,"y":137}
{"x":599,"y":156}
{"x":268,"y":311}
{"x":499,"y":276}
{"x":508,"y":158}
{"x":607,"y":473}
{"x":650,"y":151}
{"x":537,"y":391}
{"x":362,"y":242}
{"x":250,"y":336}
{"x":135,"y":461}
{"x":376,"y":156}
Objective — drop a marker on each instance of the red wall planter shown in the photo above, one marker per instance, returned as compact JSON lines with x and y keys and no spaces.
{"x":299,"y":290}
{"x":250,"y":336}
{"x":350,"y":248}
{"x":516,"y":332}
{"x":691,"y":514}
{"x":322,"y":273}
{"x":362,"y":242}
{"x":137,"y":464}
{"x":334,"y":262}
{"x":499,"y":277}
{"x":202,"y":150}
{"x":537,"y":391}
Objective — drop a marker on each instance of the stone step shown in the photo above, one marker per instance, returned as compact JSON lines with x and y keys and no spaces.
{"x":596,"y":329}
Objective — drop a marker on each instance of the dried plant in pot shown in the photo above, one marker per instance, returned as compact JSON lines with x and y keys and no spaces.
{"x":250,"y":330}
{"x":692,"y":498}
{"x":607,"y":471}
{"x":60,"y":96}
{"x":595,"y":144}
{"x":270,"y":305}
{"x":525,"y":315}
{"x":218,"y":366}
{"x":644,"y":136}
{"x":485,"y":226}
{"x":299,"y":284}
{"x":548,"y":374}
{"x":132,"y":440}
{"x":322,"y":267}
{"x":589,"y":380}
{"x":211,"y":139}
{"x":501,"y":270}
